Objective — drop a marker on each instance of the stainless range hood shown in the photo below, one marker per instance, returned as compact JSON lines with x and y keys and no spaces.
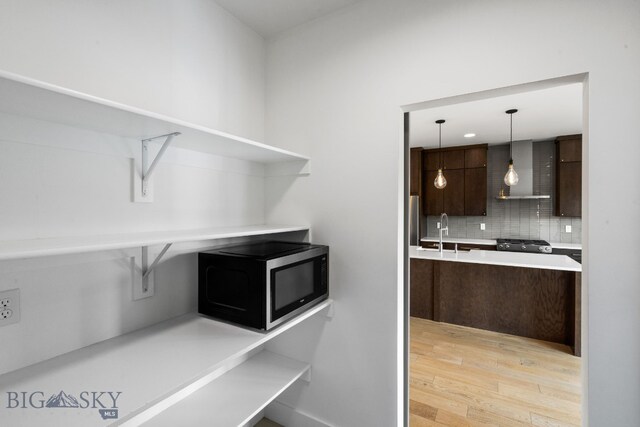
{"x":523,"y":164}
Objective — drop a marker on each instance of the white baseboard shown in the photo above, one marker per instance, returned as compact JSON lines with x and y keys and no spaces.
{"x":289,"y":417}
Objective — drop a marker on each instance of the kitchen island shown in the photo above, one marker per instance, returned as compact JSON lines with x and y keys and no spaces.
{"x":525,"y":294}
{"x":509,"y":259}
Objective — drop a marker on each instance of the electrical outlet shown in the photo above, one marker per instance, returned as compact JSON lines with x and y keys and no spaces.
{"x":438,"y":225}
{"x":9,"y":307}
{"x":483,"y":226}
{"x":567,"y":229}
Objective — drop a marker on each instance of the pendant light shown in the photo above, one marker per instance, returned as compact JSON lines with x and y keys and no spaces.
{"x":511,"y":177}
{"x":440,"y":182}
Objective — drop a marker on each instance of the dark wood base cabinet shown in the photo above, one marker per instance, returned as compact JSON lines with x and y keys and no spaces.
{"x":528,"y":302}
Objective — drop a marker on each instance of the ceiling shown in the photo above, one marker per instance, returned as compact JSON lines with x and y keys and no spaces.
{"x":271,"y":17}
{"x":542,"y":114}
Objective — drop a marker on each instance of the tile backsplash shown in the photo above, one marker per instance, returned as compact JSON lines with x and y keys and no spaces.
{"x":515,"y":219}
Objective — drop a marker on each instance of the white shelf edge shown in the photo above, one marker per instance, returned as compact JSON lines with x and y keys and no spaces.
{"x":164,"y":402}
{"x":136,"y":342}
{"x":236,"y":396}
{"x":31,"y":248}
{"x":7,"y":75}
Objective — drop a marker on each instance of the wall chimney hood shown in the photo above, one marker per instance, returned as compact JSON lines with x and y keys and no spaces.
{"x":523,"y":162}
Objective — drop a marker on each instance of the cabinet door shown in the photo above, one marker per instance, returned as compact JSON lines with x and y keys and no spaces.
{"x":432,"y":197}
{"x":453,"y":159}
{"x":569,"y":148}
{"x":475,"y":157}
{"x":453,"y":197}
{"x":483,"y":296}
{"x":421,"y":288}
{"x":475,"y":191}
{"x":415,"y":171}
{"x":430,"y":160}
{"x":569,"y":189}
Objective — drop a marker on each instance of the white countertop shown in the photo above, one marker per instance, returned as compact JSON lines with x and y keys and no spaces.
{"x":558,"y":245}
{"x":509,"y":259}
{"x":460,"y":240}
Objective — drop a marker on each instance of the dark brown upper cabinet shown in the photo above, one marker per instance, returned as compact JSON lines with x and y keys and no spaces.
{"x":569,"y":148}
{"x":475,"y":191}
{"x":453,"y":159}
{"x":465,"y":169}
{"x":432,"y":200}
{"x":475,"y":157}
{"x":450,"y":199}
{"x":430,"y":160}
{"x":415,"y":171}
{"x":453,"y":193}
{"x":568,"y":201}
{"x":448,"y":158}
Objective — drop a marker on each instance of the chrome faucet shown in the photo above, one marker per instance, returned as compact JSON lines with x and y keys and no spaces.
{"x":444,"y":228}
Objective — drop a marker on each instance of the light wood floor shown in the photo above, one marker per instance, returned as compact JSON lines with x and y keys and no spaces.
{"x":469,"y":377}
{"x":266,"y":422}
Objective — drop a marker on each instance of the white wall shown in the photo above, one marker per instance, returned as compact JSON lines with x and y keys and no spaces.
{"x":188,"y":59}
{"x":334,"y":91}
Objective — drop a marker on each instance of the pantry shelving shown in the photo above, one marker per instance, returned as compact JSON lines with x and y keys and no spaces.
{"x":24,"y":96}
{"x":276,"y":373}
{"x":165,"y":370}
{"x":30,"y":248}
{"x":157,"y":367}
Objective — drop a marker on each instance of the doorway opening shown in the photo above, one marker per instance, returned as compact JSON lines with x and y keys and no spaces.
{"x":493,"y":295}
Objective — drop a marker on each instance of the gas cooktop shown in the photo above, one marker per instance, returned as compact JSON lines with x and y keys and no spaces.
{"x":521,"y":245}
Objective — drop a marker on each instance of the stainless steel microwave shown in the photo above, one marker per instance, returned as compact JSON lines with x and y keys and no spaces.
{"x":263,"y":284}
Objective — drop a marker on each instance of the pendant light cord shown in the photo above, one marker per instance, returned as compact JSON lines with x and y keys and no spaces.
{"x":440,"y":145}
{"x":511,"y":137}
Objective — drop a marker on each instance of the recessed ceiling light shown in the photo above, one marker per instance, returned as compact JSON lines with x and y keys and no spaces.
{"x":469,"y":135}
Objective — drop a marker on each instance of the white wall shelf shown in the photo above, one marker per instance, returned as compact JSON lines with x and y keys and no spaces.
{"x":237,"y":396}
{"x":158,"y":367}
{"x":17,"y":249}
{"x":24,"y":96}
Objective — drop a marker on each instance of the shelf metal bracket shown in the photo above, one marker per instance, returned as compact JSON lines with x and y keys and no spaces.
{"x":306,"y":377}
{"x":146,"y":271}
{"x":330,"y":311}
{"x":147,"y":169}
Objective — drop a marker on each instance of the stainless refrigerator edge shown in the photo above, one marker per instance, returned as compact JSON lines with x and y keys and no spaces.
{"x":414,"y":220}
